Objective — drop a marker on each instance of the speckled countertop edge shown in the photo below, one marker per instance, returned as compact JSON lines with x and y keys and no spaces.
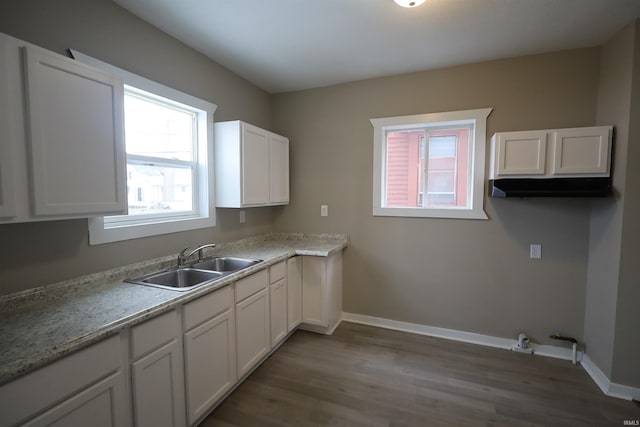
{"x":41,"y":325}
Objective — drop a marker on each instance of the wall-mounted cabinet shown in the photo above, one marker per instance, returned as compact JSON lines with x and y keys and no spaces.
{"x":62,"y":151}
{"x":251,"y":166}
{"x":557,"y":153}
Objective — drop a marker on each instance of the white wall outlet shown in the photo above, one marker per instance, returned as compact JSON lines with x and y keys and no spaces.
{"x":242,"y":218}
{"x":535,"y":251}
{"x":324,"y":210}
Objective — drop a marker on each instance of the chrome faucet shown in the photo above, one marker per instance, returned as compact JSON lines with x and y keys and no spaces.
{"x":183,"y":255}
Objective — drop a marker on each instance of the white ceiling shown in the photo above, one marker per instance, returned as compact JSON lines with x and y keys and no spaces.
{"x":285,"y":45}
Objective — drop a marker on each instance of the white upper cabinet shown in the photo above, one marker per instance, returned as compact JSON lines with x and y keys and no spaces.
{"x":254,"y":153}
{"x":582,"y":151}
{"x":520,"y":153}
{"x":63,"y":150}
{"x":7,"y":198}
{"x":252,"y":166}
{"x":555,"y":153}
{"x":278,"y":169}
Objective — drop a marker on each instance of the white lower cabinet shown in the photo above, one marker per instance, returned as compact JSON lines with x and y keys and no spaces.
{"x":252,"y":321}
{"x":93,"y":406}
{"x":182,"y":362}
{"x":209,"y":346}
{"x":294,"y":292}
{"x":278,"y":302}
{"x":157,"y":372}
{"x":321,"y":293}
{"x":85,"y":388}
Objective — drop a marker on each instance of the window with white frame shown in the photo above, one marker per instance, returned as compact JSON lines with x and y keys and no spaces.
{"x":169,"y":148}
{"x":430,"y":165}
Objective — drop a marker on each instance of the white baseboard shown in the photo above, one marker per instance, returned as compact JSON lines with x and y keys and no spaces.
{"x":452,"y":334}
{"x":431,"y":331}
{"x":609,"y":388}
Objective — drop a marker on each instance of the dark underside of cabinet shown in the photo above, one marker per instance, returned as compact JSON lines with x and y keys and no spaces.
{"x":367,"y":376}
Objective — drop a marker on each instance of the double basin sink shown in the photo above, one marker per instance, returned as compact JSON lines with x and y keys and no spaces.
{"x":198,"y":274}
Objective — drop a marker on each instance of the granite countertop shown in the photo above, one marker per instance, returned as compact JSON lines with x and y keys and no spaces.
{"x":43,"y":324}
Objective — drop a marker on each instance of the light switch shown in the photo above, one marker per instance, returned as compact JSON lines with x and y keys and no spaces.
{"x":535,"y":251}
{"x":324,"y":210}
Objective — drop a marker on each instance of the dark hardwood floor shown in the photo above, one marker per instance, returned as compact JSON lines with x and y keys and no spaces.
{"x":367,"y":376}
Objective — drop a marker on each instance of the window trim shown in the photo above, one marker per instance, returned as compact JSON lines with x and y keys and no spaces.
{"x":206,"y":216}
{"x":477,"y":164}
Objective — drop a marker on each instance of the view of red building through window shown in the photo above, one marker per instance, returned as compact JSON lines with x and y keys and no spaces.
{"x":435,"y":159}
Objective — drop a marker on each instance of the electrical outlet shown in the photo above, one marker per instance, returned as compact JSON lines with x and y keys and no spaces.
{"x":242,"y":218}
{"x":324,"y":210}
{"x":535,"y":251}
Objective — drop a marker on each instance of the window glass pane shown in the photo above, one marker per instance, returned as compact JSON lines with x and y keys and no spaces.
{"x":442,"y":146}
{"x":158,"y":130}
{"x":405,"y":163}
{"x":441,"y":175}
{"x":159,"y":189}
{"x":444,"y":173}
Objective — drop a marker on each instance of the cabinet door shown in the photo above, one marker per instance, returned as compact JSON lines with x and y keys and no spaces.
{"x":314,"y":291}
{"x":294,"y":293}
{"x":582,"y":151}
{"x":7,"y":201}
{"x":99,"y":405}
{"x":158,"y":388}
{"x":255,"y":165}
{"x":210,"y":363}
{"x":64,"y":389}
{"x":520,"y":153}
{"x":278,"y":310}
{"x":76,"y":137}
{"x":278,"y":169}
{"x":252,"y":331}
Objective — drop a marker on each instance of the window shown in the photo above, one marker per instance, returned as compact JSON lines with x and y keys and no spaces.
{"x":162,"y":158}
{"x":169,"y":146}
{"x":430,"y":165}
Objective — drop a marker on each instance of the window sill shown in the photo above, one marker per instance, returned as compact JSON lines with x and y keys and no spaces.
{"x":98,"y":234}
{"x":431,"y":213}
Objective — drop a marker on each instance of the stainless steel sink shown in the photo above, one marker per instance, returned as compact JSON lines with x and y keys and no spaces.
{"x":195,"y":275}
{"x":181,"y":279}
{"x":225,"y":264}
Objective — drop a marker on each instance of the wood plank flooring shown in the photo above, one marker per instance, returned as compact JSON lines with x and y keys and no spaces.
{"x":367,"y":376}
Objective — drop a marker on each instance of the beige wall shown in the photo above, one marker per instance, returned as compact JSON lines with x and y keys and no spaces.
{"x":626,"y":369}
{"x":37,"y":254}
{"x":627,"y":333}
{"x":613,"y":295}
{"x":614,"y":101}
{"x":468,"y":275}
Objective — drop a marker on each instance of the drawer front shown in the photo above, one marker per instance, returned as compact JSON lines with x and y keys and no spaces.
{"x":28,"y":395}
{"x":277,"y":272}
{"x":154,"y":333}
{"x":207,"y":307}
{"x":251,"y":285}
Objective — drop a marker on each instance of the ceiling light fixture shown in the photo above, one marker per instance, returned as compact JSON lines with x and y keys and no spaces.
{"x":409,"y":3}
